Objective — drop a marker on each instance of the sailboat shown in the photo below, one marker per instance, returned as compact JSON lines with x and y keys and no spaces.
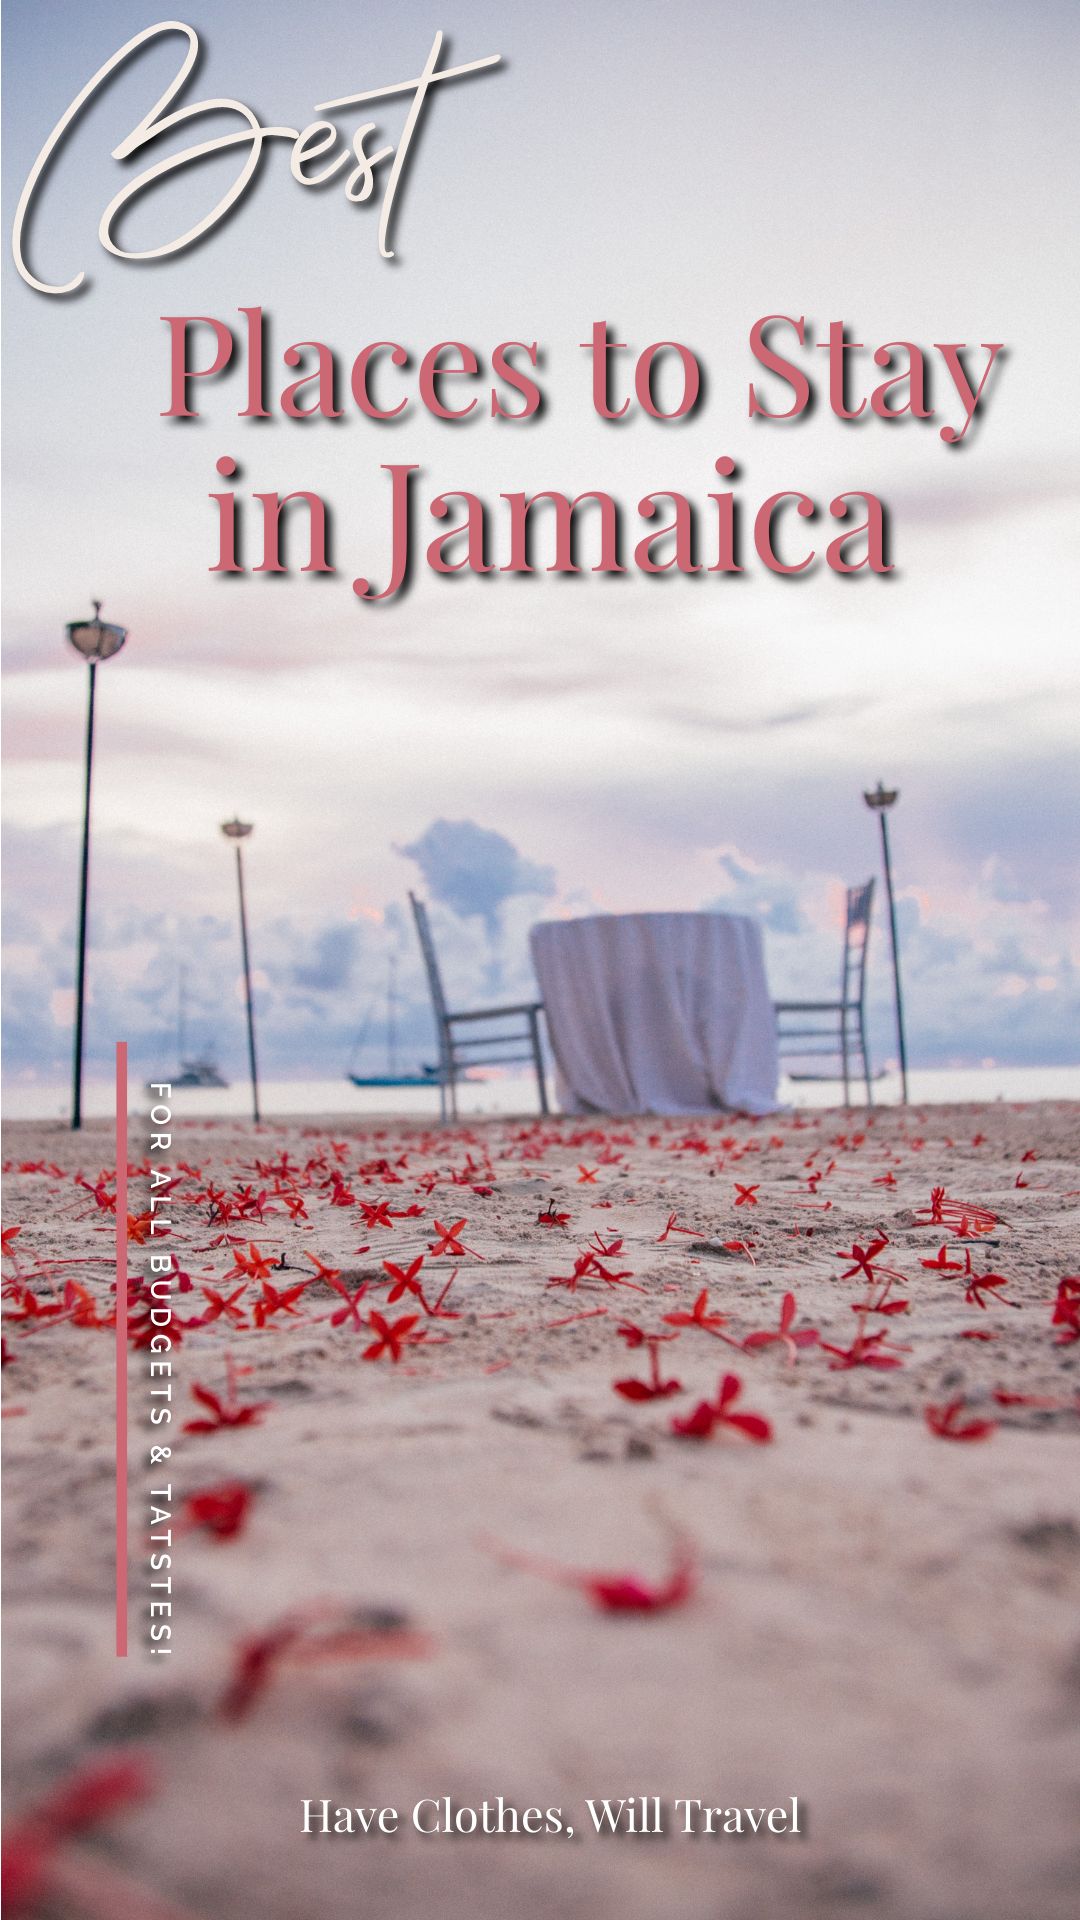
{"x":201,"y":1071}
{"x":423,"y":1076}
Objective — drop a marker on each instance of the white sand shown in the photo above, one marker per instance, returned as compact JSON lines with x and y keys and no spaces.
{"x":886,"y":1623}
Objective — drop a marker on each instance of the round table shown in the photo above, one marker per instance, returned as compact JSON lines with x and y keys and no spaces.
{"x":658,"y":1012}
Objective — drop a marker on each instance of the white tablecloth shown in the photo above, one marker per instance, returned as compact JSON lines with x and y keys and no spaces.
{"x":658,"y":1012}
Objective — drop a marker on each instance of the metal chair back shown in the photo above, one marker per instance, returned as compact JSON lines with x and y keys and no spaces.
{"x":438,"y":997}
{"x":431,"y":963}
{"x":835,"y":1029}
{"x":860,"y":902}
{"x":457,"y":1055}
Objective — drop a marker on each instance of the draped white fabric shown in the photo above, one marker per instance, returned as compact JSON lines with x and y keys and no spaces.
{"x":658,"y":1012}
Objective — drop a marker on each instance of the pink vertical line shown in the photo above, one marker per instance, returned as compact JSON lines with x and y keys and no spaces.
{"x":121,"y":1350}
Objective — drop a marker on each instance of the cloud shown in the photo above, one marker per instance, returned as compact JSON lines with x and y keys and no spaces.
{"x":769,"y":895}
{"x":809,"y":713}
{"x":1030,"y":488}
{"x":475,"y":870}
{"x":331,"y":965}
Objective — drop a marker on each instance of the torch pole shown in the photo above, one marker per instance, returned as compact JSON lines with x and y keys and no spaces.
{"x":247,"y":986}
{"x":901,"y":1045}
{"x":84,"y":885}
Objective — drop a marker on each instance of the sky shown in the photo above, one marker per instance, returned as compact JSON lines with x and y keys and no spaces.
{"x":522,"y":747}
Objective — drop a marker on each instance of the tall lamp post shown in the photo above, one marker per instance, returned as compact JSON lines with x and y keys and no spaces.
{"x":95,"y":640}
{"x":879,"y":802}
{"x":238,"y":830}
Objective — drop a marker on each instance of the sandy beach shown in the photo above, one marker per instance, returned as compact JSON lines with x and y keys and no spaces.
{"x":853,"y":1580}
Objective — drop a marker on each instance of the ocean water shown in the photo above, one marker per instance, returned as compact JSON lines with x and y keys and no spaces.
{"x":515,"y":1094}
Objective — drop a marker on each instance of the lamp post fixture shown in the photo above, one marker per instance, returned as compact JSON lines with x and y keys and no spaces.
{"x":879,"y":802}
{"x":238,"y":830}
{"x":95,"y":640}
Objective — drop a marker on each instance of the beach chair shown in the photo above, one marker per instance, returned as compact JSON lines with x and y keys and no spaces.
{"x":456,"y":1055}
{"x":835,"y":1029}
